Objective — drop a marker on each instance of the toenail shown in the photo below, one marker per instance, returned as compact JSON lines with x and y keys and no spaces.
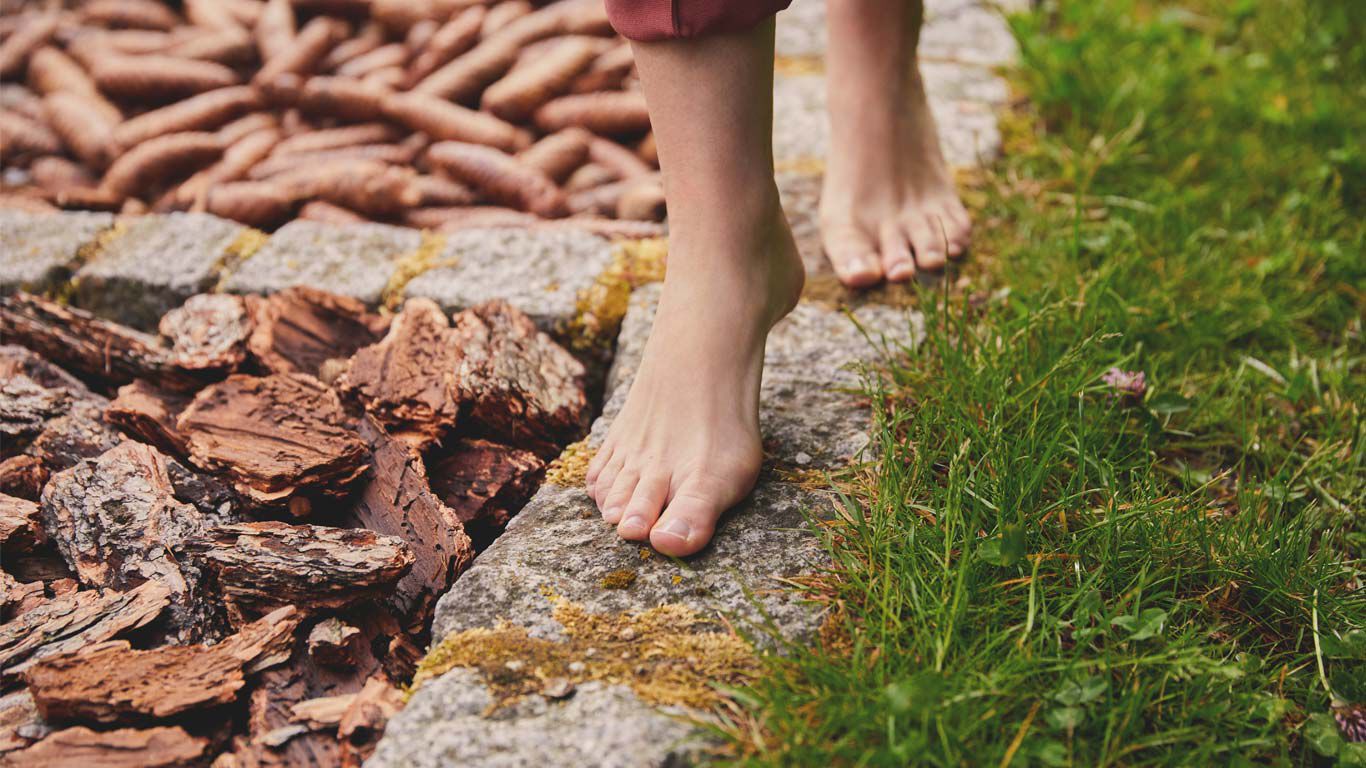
{"x":677,"y":528}
{"x":633,"y":526}
{"x":611,"y":514}
{"x":899,"y":271}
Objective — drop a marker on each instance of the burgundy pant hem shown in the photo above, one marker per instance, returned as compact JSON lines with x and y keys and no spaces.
{"x":655,"y":20}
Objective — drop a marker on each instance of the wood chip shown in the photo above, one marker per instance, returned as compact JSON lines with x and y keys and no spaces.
{"x":519,"y":386}
{"x":407,"y":380}
{"x":159,"y":747}
{"x":208,"y":333}
{"x":299,"y":329}
{"x":257,"y":566}
{"x":396,"y":499}
{"x":113,"y":683}
{"x":116,"y":521}
{"x":334,"y":643}
{"x":75,"y":620}
{"x":484,"y":482}
{"x":149,"y":414}
{"x":279,"y":438}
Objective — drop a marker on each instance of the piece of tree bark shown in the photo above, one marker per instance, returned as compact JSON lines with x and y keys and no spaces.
{"x":282,"y":439}
{"x":484,"y":482}
{"x":363,"y":721}
{"x":298,"y":329}
{"x":82,"y":342}
{"x":113,"y":683}
{"x":208,"y":333}
{"x":25,"y":407}
{"x":75,"y":620}
{"x":215,"y":497}
{"x":323,"y":713}
{"x":519,"y":386}
{"x":21,"y":527}
{"x":16,"y":360}
{"x":333,"y":643}
{"x":407,"y":380}
{"x":79,"y":434}
{"x":149,"y":414}
{"x":18,"y":719}
{"x":116,"y":521}
{"x":396,"y":499}
{"x":257,"y":566}
{"x":18,"y":597}
{"x":23,"y":476}
{"x":158,"y":747}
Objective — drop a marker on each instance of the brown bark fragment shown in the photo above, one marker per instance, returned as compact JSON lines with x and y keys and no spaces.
{"x":113,"y":683}
{"x":298,"y":329}
{"x":26,"y":406}
{"x":23,"y":476}
{"x":363,"y":721}
{"x":159,"y":747}
{"x":519,"y":385}
{"x":117,"y":523}
{"x":334,"y":643}
{"x":18,"y":597}
{"x":20,"y":525}
{"x":278,"y":437}
{"x":407,"y":380}
{"x":260,"y":565}
{"x":79,"y":434}
{"x":149,"y":414}
{"x":208,"y":333}
{"x":75,"y":620}
{"x":484,"y":482}
{"x":77,"y":340}
{"x":397,"y":500}
{"x":18,"y":719}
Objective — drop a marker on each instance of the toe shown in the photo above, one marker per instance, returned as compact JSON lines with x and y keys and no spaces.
{"x":853,"y":256}
{"x":620,"y":493}
{"x":595,"y":466}
{"x":687,"y":524}
{"x":606,"y":478}
{"x":960,"y":231}
{"x":643,"y":509}
{"x":896,"y":253}
{"x":928,"y":240}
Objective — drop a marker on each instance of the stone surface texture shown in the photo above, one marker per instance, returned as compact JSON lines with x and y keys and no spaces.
{"x":540,"y":272}
{"x":354,"y":260}
{"x":38,"y":251}
{"x":154,"y":265}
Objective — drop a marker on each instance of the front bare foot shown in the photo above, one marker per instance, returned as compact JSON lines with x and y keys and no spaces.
{"x":888,"y":206}
{"x":686,"y":445}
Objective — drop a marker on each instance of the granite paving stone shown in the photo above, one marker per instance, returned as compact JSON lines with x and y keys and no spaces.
{"x":154,"y":265}
{"x":39,"y":251}
{"x":540,"y":272}
{"x":354,"y":260}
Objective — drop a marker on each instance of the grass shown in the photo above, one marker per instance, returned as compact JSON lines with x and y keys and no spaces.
{"x":1046,"y":571}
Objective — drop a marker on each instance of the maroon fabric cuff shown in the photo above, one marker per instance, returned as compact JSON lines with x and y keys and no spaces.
{"x":653,"y":20}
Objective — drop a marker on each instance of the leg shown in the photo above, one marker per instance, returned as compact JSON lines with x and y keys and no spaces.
{"x":686,"y":444}
{"x":889,"y":205}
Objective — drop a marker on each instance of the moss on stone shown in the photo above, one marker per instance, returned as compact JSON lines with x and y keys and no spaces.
{"x":425,"y":257}
{"x":622,"y":578}
{"x":668,"y":655}
{"x":570,"y":468}
{"x":600,"y":308}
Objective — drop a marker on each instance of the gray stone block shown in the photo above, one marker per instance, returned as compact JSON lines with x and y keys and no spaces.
{"x":539,"y":272}
{"x":968,"y":30}
{"x":962,"y":99}
{"x":560,"y":542}
{"x":600,"y":725}
{"x":154,"y":265}
{"x":354,"y":260}
{"x":38,"y":251}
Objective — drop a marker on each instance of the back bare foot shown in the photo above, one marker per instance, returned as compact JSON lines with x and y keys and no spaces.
{"x":686,"y":445}
{"x":888,"y":206}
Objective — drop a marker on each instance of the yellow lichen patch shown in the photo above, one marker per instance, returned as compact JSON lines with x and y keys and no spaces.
{"x":242,"y":247}
{"x":85,"y":254}
{"x":570,"y":468}
{"x":619,"y":579}
{"x":411,"y":265}
{"x":667,"y":655}
{"x":798,"y":65}
{"x":600,"y":307}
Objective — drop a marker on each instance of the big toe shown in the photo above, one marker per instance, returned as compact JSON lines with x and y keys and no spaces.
{"x":852,"y":254}
{"x":686,"y":525}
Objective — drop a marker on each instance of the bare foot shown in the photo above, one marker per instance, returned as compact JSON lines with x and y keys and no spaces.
{"x":686,"y":445}
{"x":888,"y":206}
